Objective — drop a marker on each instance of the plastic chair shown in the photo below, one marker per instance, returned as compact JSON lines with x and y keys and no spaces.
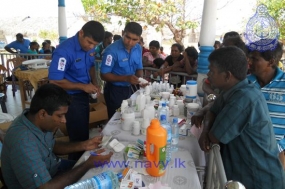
{"x":3,"y":84}
{"x":13,"y":64}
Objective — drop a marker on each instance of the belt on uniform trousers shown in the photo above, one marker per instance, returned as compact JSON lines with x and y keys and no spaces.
{"x":129,"y":86}
{"x":79,"y":94}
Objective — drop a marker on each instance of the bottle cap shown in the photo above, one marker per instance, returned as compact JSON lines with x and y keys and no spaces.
{"x":155,"y":123}
{"x":162,"y":117}
{"x":175,"y":120}
{"x":120,"y":176}
{"x":191,"y":82}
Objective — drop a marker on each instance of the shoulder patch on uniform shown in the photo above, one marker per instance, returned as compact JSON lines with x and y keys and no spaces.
{"x":61,"y":64}
{"x":108,"y":60}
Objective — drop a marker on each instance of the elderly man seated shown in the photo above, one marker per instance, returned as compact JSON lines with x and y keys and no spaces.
{"x":29,"y":151}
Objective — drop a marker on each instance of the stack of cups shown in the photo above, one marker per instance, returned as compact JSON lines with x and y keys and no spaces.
{"x":192,"y":108}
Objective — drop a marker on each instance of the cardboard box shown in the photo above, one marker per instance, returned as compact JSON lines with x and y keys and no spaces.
{"x":98,"y":112}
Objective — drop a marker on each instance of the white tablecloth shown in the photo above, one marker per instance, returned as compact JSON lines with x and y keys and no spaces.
{"x":190,"y":143}
{"x":181,"y":175}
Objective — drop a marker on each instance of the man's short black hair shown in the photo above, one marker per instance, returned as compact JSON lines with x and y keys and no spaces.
{"x":158,"y":62}
{"x":19,"y":35}
{"x":48,"y":41}
{"x":134,"y":28}
{"x":49,"y":97}
{"x":154,"y":43}
{"x":94,"y":30}
{"x":108,"y":34}
{"x":230,"y":59}
{"x":231,"y":34}
{"x":116,"y":37}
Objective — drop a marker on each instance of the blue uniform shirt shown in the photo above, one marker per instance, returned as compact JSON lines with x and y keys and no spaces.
{"x":24,"y":47}
{"x":117,"y":60}
{"x":274,"y":93}
{"x":71,"y":62}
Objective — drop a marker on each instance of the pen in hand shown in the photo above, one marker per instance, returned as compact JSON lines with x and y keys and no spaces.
{"x":93,"y":154}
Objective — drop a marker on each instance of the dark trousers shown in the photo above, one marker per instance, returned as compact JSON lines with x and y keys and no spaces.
{"x":77,"y":121}
{"x":65,"y":165}
{"x":114,"y":96}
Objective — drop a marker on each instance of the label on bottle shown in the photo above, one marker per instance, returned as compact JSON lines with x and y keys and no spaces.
{"x":174,"y":140}
{"x":169,"y":135}
{"x":162,"y":160}
{"x":103,"y":180}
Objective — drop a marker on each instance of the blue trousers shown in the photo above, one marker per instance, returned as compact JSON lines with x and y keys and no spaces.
{"x":114,"y":96}
{"x":77,"y":121}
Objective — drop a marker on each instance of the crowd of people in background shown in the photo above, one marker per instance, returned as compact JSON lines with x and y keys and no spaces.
{"x":178,"y":60}
{"x":22,"y":45}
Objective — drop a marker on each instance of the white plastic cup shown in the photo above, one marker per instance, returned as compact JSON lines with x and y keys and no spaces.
{"x":94,"y":96}
{"x":192,"y":108}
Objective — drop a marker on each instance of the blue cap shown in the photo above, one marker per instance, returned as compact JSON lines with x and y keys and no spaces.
{"x":191,"y":82}
{"x":175,"y":120}
{"x":162,"y":117}
{"x":163,"y":104}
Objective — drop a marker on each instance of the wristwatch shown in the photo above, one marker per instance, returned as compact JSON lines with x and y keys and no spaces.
{"x":211,"y":97}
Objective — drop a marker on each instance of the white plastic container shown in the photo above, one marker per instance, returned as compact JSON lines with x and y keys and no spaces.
{"x":191,"y":89}
{"x":180,"y":106}
{"x":172,"y":101}
{"x":136,"y":128}
{"x":128,"y":117}
{"x":140,"y":102}
{"x":176,"y":110}
{"x":124,"y":105}
{"x":183,"y":89}
{"x":147,"y":90}
{"x":144,"y":126}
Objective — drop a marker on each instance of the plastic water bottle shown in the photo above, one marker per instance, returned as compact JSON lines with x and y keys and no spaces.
{"x":105,"y":180}
{"x":175,"y":134}
{"x":167,"y":126}
{"x":163,"y":111}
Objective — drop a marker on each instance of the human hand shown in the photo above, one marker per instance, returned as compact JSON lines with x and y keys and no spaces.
{"x":93,"y":143}
{"x":204,"y":141}
{"x":134,"y":80}
{"x":197,"y":119}
{"x":96,"y":159}
{"x":91,"y":89}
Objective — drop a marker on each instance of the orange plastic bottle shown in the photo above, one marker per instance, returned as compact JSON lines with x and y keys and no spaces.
{"x":156,"y":137}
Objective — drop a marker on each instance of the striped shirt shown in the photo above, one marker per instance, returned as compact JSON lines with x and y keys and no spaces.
{"x":243,"y":126}
{"x":27,"y":157}
{"x":274,"y":93}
